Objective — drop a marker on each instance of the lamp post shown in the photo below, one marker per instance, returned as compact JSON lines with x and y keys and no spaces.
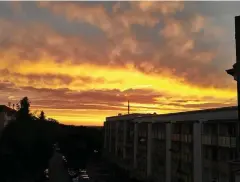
{"x":235,"y":72}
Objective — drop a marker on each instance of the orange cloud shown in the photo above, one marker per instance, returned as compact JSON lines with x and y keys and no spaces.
{"x":179,"y":48}
{"x":159,"y":55}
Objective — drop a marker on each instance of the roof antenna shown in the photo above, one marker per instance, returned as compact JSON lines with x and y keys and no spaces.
{"x":128,"y":107}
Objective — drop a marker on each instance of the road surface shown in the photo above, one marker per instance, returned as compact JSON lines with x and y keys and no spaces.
{"x":57,"y":169}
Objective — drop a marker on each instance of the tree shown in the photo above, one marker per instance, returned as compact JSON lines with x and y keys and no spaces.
{"x":53,"y":120}
{"x":17,"y":107}
{"x":25,"y":146}
{"x":42,"y":116}
{"x":23,"y":109}
{"x":24,"y":105}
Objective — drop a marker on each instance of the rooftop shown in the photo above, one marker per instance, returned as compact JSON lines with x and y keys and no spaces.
{"x":203,"y":110}
{"x":223,"y":113}
{"x":128,"y":116}
{"x":4,"y":108}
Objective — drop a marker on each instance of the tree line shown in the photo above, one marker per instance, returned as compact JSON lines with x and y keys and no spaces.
{"x":26,"y":144}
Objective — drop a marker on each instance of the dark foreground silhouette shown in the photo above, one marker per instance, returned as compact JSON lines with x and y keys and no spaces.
{"x":26,"y":145}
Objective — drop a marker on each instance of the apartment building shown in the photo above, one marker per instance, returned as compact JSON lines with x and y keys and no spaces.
{"x":193,"y":146}
{"x":119,"y":139}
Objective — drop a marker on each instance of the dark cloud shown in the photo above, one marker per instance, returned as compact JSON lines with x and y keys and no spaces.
{"x":200,"y":105}
{"x":190,"y":42}
{"x":7,"y":86}
{"x":46,"y":41}
{"x":115,"y":100}
{"x":110,"y":97}
{"x":189,"y":54}
{"x":65,"y":104}
{"x":211,"y":8}
{"x":48,"y":80}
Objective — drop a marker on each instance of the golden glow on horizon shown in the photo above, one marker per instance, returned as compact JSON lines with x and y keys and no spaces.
{"x":91,"y":62}
{"x":130,"y":78}
{"x":117,"y":78}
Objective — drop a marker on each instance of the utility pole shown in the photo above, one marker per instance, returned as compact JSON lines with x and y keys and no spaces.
{"x":128,"y":107}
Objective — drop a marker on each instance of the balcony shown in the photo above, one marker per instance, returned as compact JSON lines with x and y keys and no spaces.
{"x":175,"y":137}
{"x":186,"y":158}
{"x":227,"y":142}
{"x":224,"y":141}
{"x":233,"y":142}
{"x":187,"y":138}
{"x":129,"y":145}
{"x":209,"y":140}
{"x":223,"y":167}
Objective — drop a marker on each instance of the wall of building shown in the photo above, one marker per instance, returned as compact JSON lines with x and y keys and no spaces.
{"x":159,"y":151}
{"x":191,"y":146}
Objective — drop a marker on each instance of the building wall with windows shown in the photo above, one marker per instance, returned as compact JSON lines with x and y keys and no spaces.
{"x":120,"y":140}
{"x":193,"y":146}
{"x":218,"y":146}
{"x":158,"y":152}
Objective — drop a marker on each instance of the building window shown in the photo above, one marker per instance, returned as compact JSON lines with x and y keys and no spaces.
{"x":232,"y":154}
{"x":205,"y":152}
{"x":231,"y":129}
{"x":214,"y":154}
{"x":176,"y":128}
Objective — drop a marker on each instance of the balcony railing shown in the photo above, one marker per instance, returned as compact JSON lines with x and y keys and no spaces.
{"x":227,"y":142}
{"x":233,"y":141}
{"x":223,"y":141}
{"x":183,"y":138}
{"x":223,"y":166}
{"x":209,"y":140}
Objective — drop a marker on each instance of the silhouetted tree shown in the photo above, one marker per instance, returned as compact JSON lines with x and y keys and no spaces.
{"x":26,"y":146}
{"x":23,"y":109}
{"x":42,"y":116}
{"x":52,"y":120}
{"x":17,"y":107}
{"x":25,"y":104}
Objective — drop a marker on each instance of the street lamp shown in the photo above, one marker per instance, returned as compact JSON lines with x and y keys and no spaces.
{"x":235,"y":73}
{"x":232,"y":71}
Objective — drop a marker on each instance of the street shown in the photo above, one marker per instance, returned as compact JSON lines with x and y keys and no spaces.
{"x":57,"y":169}
{"x":97,"y":170}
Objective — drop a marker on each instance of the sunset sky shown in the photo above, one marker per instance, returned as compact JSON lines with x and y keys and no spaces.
{"x":82,"y":61}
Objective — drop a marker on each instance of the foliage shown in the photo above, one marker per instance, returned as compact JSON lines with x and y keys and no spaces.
{"x":26,"y":143}
{"x":42,"y":116}
{"x":53,"y":120}
{"x":23,"y":109}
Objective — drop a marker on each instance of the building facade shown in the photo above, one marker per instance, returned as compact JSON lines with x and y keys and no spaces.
{"x":6,"y":114}
{"x":193,"y":146}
